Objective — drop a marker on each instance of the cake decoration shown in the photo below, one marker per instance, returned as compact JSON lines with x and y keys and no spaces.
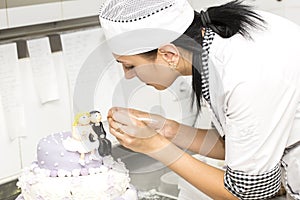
{"x":80,"y":141}
{"x":104,"y":144}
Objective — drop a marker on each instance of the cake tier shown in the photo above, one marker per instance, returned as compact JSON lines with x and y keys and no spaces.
{"x":52,"y":155}
{"x":108,"y":184}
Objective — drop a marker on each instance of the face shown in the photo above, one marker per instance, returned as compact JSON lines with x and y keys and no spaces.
{"x":84,"y":120}
{"x":96,"y":117}
{"x":156,"y":73}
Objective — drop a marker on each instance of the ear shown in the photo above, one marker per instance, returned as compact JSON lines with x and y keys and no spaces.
{"x":169,"y":53}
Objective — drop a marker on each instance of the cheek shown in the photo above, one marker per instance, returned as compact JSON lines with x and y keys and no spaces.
{"x":146,"y":73}
{"x":159,"y":76}
{"x":129,"y":74}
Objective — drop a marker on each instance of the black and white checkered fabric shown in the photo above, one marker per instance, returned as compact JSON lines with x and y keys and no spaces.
{"x":207,"y":40}
{"x":245,"y":186}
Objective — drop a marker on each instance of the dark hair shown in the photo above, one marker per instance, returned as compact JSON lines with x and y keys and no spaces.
{"x":225,"y":20}
{"x":95,"y":111}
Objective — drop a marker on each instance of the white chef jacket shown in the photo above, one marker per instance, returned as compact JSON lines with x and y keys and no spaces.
{"x":254,"y":88}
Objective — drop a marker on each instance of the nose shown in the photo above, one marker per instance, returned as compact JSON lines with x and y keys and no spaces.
{"x":129,"y":73}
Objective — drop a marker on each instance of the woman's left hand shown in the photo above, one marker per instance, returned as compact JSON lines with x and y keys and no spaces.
{"x":134,"y":134}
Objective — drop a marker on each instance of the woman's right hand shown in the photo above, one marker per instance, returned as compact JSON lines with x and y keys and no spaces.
{"x":165,"y":127}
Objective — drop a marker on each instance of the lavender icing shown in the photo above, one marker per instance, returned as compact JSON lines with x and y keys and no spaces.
{"x":51,"y":155}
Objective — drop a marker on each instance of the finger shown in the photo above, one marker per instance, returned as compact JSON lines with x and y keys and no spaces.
{"x":124,"y":117}
{"x":115,"y":109}
{"x":124,"y":129}
{"x":115,"y":125}
{"x":111,"y":112}
{"x":150,"y":119}
{"x":139,"y":114}
{"x":124,"y":139}
{"x":139,"y":132}
{"x":117,"y":134}
{"x":145,"y":117}
{"x":132,"y":130}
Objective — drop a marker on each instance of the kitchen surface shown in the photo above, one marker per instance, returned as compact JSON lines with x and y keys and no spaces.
{"x":64,"y":36}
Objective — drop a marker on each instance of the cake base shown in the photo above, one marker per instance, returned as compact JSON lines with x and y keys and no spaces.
{"x":108,"y":184}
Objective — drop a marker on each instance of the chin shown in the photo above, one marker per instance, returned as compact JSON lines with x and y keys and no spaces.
{"x":158,"y":87}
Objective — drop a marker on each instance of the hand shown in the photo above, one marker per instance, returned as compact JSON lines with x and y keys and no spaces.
{"x":165,"y":127}
{"x":95,"y":136}
{"x":133,"y":133}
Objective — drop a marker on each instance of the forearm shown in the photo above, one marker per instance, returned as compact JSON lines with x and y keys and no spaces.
{"x":204,"y":142}
{"x":204,"y":177}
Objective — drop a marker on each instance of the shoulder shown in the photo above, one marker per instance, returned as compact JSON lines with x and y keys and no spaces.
{"x":268,"y":46}
{"x":276,"y":29}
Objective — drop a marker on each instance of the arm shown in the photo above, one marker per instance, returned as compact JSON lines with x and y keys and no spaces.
{"x":204,"y":177}
{"x":201,"y":141}
{"x":75,"y":135}
{"x":94,"y":134}
{"x":102,"y":128}
{"x":139,"y":137}
{"x":204,"y":142}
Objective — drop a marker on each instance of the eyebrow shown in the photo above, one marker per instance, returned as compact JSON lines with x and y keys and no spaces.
{"x":122,"y":62}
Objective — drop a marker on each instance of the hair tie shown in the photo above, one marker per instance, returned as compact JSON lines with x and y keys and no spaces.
{"x":205,"y":18}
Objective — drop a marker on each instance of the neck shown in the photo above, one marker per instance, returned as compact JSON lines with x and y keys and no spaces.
{"x":185,"y":62}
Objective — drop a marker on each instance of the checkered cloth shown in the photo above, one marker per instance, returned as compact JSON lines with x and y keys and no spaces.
{"x":246,"y":186}
{"x":207,"y":41}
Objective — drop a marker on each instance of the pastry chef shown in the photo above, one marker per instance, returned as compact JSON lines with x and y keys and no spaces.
{"x":245,"y":66}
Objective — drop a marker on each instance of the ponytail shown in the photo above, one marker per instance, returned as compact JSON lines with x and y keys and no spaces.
{"x":231,"y":18}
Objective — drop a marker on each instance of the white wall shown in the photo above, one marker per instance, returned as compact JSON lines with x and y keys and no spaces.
{"x":3,"y":18}
{"x":15,"y":13}
{"x":285,"y":8}
{"x":26,"y":14}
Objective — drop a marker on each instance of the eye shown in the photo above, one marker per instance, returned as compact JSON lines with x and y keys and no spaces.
{"x":128,"y":67}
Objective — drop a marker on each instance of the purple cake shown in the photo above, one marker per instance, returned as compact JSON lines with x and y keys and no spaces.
{"x":62,"y":174}
{"x":52,"y":155}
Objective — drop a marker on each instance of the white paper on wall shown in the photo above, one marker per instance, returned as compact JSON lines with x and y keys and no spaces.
{"x":10,"y":91}
{"x":59,"y":63}
{"x":43,"y":70}
{"x":77,"y":46}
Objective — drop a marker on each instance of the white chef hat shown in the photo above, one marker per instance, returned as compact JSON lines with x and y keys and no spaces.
{"x":137,"y":26}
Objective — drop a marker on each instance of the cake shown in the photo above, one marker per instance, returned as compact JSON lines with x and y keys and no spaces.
{"x":63,"y":171}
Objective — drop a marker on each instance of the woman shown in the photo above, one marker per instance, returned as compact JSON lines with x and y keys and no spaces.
{"x":245,"y":66}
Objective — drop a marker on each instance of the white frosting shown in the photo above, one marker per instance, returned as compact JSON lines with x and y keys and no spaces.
{"x":104,"y":184}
